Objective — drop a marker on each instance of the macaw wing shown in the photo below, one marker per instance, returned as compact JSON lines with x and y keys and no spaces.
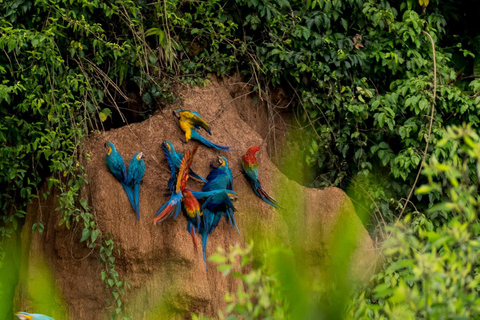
{"x":217,"y":179}
{"x":117,"y":166}
{"x":182,"y":175}
{"x":195,"y":120}
{"x":251,"y":171}
{"x":136,"y":170}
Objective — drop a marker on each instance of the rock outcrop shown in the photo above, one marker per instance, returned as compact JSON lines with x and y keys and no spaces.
{"x":165,"y":275}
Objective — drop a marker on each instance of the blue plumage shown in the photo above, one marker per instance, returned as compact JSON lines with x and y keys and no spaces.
{"x":32,"y":316}
{"x":174,"y":160}
{"x":115,"y":163}
{"x":136,"y":170}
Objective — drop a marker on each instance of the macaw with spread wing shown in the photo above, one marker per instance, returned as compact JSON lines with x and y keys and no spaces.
{"x":115,"y":163}
{"x":136,"y":170}
{"x":189,"y":122}
{"x":220,"y":178}
{"x":173,"y":204}
{"x":174,"y":160}
{"x":32,"y":316}
{"x":216,"y":204}
{"x":250,"y":166}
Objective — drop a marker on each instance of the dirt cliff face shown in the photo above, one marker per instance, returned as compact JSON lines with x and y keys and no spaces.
{"x":165,"y":274}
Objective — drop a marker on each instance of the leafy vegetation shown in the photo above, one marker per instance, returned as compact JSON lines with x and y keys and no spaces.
{"x":360,"y":74}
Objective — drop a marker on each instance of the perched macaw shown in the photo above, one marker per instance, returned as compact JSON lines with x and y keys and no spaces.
{"x":173,"y":204}
{"x":220,"y":178}
{"x":216,"y":204}
{"x":32,"y":316}
{"x":136,"y":170}
{"x":250,"y":165}
{"x":189,"y":122}
{"x":193,"y":213}
{"x":115,"y":163}
{"x":174,"y":159}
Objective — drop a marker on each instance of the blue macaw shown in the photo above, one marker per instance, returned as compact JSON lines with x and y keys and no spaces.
{"x":174,"y":159}
{"x":136,"y":170}
{"x":250,"y":166}
{"x":32,"y":316}
{"x":216,"y":204}
{"x":189,"y":122}
{"x":115,"y":163}
{"x":173,"y":204}
{"x":220,"y":178}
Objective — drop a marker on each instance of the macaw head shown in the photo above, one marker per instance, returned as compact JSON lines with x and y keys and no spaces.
{"x":110,"y":147}
{"x":32,"y":316}
{"x":220,"y":162}
{"x":232,"y":195}
{"x":139,"y":156}
{"x":168,"y":145}
{"x":24,"y":316}
{"x":253,"y":150}
{"x":176,"y":113}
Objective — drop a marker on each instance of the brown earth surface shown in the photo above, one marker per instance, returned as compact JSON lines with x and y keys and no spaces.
{"x":165,"y":274}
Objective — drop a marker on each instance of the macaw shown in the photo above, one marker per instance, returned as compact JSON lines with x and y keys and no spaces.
{"x":189,"y":122}
{"x":115,"y":163}
{"x":32,"y":316}
{"x":193,"y":213}
{"x":174,"y":159}
{"x":173,"y":204}
{"x":136,"y":170}
{"x":250,"y":166}
{"x":220,"y":178}
{"x":217,"y":203}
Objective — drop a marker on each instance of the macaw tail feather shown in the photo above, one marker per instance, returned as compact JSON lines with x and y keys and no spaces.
{"x":230,"y":218}
{"x":136,"y":190}
{"x":195,"y":176}
{"x":204,"y":247}
{"x":129,"y":191}
{"x":166,"y":211}
{"x":209,"y":144}
{"x":191,"y":230}
{"x":262,"y":194}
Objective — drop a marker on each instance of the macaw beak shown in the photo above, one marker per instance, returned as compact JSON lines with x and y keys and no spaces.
{"x":176,"y":113}
{"x":23,"y":316}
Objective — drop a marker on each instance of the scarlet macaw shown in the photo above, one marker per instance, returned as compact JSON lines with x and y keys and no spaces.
{"x":173,"y":204}
{"x":250,"y":165}
{"x":174,"y":159}
{"x":136,"y":170}
{"x":32,"y":316}
{"x":116,"y":165}
{"x":189,"y":122}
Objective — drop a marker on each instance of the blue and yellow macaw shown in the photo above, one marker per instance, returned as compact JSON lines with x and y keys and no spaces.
{"x":189,"y":122}
{"x":32,"y":316}
{"x":116,"y":165}
{"x":173,"y":204}
{"x":174,"y":160}
{"x":250,"y":166}
{"x":219,"y":178}
{"x":216,"y":204}
{"x":136,"y":170}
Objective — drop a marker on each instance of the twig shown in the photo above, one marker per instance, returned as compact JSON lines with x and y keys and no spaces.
{"x":429,"y":127}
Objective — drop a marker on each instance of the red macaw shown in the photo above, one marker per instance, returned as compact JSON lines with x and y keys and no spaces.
{"x":250,"y":165}
{"x":173,"y":204}
{"x":189,"y":122}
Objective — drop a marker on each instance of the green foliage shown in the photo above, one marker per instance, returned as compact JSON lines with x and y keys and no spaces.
{"x":360,"y":74}
{"x":432,"y":272}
